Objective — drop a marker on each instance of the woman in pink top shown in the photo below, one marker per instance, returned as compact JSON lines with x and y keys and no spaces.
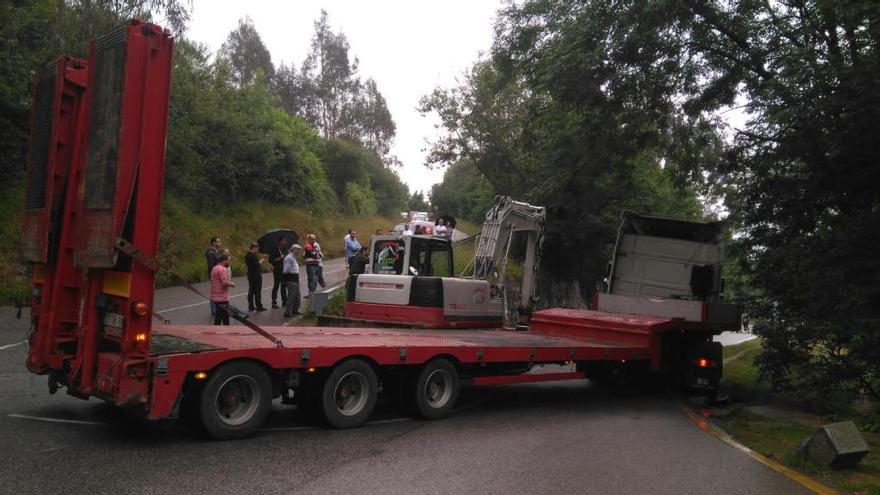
{"x":221,"y":281}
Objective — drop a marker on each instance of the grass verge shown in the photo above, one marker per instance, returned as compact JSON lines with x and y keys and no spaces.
{"x":184,"y":235}
{"x":14,"y":276}
{"x":778,"y":437}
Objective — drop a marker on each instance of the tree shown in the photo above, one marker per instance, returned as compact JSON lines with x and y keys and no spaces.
{"x":551,"y":118}
{"x":228,"y":143}
{"x":332,"y":96}
{"x":362,"y":182}
{"x":331,"y":77}
{"x":593,"y":106}
{"x":417,"y":202}
{"x":804,"y":169}
{"x":463,"y":193}
{"x":371,"y":121}
{"x":37,"y":32}
{"x":247,"y":54}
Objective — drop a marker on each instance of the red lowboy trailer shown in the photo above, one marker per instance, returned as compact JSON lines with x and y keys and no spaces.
{"x":93,"y":203}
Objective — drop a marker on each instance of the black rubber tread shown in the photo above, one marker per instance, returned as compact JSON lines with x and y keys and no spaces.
{"x":419,"y":398}
{"x":210,"y":421}
{"x":328,"y":404}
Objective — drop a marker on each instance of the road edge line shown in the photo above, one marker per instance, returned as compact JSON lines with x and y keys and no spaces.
{"x":710,"y":428}
{"x":10,"y":346}
{"x":58,"y":420}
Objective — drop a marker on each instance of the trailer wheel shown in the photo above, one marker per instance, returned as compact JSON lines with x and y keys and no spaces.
{"x":235,"y":400}
{"x":349,"y":394}
{"x":436,"y":389}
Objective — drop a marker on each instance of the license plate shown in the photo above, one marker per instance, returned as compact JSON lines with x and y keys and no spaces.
{"x":703,"y":381}
{"x":113,"y":324}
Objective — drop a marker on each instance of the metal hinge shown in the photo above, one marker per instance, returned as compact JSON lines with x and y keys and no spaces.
{"x":133,"y":251}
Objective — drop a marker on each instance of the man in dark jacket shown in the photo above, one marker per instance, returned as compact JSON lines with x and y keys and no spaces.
{"x":356,"y":266}
{"x":212,"y":255}
{"x":254,"y":277}
{"x":277,"y":260}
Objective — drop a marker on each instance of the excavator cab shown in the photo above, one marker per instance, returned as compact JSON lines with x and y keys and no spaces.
{"x":411,"y":255}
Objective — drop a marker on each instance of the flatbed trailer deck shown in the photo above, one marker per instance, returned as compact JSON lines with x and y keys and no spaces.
{"x":181,"y":357}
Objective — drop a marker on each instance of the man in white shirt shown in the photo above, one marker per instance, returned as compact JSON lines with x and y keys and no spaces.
{"x":407,"y":230}
{"x":290,"y":273}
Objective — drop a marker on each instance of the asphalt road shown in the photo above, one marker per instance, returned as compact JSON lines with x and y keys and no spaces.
{"x":537,"y":438}
{"x":182,"y":306}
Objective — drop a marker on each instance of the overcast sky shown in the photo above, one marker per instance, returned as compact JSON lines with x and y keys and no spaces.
{"x":408,"y":47}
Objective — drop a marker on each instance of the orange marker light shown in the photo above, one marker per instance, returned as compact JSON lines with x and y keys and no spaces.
{"x":141,"y":309}
{"x":201,"y":375}
{"x":140,"y":337}
{"x":703,"y":363}
{"x":311,"y":370}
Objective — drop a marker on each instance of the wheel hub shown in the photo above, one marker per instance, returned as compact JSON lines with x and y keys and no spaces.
{"x":237,"y":400}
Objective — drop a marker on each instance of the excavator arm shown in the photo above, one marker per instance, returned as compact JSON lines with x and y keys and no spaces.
{"x":505,"y":218}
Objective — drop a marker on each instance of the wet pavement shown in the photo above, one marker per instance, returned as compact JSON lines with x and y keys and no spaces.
{"x":564,"y":437}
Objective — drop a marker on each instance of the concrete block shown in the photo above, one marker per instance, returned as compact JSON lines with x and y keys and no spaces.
{"x":835,"y":445}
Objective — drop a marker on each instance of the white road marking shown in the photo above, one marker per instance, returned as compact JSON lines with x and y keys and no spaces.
{"x":9,"y":346}
{"x":58,"y":420}
{"x":240,"y":294}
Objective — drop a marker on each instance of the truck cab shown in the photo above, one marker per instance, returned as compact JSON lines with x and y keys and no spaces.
{"x":669,"y":267}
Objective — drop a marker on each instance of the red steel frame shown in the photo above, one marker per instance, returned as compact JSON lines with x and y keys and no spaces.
{"x":56,"y":309}
{"x":68,"y":339}
{"x":140,"y":170}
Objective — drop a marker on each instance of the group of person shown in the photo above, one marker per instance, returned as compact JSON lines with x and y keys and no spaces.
{"x":285,"y":274}
{"x":285,"y":271}
{"x":439,"y":230}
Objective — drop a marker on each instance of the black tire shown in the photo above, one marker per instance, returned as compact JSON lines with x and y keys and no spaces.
{"x":235,"y":400}
{"x":349,"y":394}
{"x":436,"y":390}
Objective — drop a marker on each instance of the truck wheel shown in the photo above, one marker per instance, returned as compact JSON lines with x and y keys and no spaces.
{"x":436,"y":389}
{"x":349,"y":394}
{"x":235,"y":400}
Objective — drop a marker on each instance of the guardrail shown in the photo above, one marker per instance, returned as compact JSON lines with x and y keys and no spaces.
{"x":319,"y":299}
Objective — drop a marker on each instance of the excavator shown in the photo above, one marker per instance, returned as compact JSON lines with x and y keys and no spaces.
{"x":411,"y":281}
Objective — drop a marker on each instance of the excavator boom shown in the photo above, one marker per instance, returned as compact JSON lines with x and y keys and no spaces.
{"x":504,"y":219}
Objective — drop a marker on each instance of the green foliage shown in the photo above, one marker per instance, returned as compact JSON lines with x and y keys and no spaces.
{"x":464,"y":193}
{"x":362,"y":182}
{"x":246,"y":53}
{"x":14,"y":276}
{"x":358,"y":199}
{"x":231,"y":142}
{"x":329,"y":93}
{"x":336,"y":306}
{"x":590,"y":107}
{"x":38,"y":32}
{"x":549,"y":118}
{"x":778,"y":438}
{"x":804,"y":174}
{"x":234,"y":144}
{"x":417,"y":202}
{"x":185,"y":232}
